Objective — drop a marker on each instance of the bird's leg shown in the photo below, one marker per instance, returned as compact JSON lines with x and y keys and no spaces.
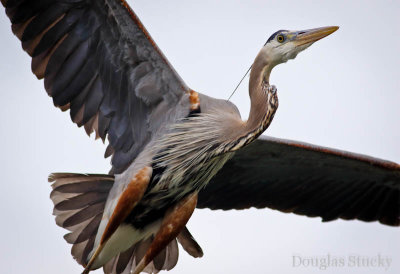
{"x":132,"y":194}
{"x":174,"y":221}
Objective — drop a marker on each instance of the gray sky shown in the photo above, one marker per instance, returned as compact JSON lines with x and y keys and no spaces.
{"x":343,"y":92}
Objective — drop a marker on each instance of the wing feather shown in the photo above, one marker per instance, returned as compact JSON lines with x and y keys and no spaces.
{"x":307,"y":180}
{"x":98,"y":60}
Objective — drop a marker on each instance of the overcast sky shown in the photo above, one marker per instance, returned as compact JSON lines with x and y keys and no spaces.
{"x":342,"y":92}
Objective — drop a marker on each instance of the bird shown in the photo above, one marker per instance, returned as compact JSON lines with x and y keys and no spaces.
{"x":174,"y":149}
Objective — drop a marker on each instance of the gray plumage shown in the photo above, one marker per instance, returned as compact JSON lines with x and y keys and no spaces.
{"x":98,"y":61}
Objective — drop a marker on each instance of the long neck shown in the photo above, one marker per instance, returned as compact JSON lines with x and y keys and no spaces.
{"x":264,"y":103}
{"x":259,"y":77}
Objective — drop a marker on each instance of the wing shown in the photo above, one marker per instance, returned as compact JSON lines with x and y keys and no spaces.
{"x":307,"y":180}
{"x":98,"y":61}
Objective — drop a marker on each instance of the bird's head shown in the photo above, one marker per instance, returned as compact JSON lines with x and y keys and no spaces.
{"x":284,"y":44}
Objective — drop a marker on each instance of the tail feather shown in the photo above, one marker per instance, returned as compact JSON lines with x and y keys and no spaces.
{"x":125,"y":262}
{"x":172,"y":254}
{"x":83,"y":215}
{"x":189,"y":244}
{"x":79,"y":201}
{"x":89,"y":228}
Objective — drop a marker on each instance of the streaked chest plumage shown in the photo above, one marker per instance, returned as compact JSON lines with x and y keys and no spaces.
{"x":184,"y":162}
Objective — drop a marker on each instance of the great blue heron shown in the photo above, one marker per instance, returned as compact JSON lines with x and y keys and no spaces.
{"x":114,"y":79}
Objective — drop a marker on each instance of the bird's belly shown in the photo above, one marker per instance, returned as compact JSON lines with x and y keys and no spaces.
{"x":157,"y":200}
{"x":146,"y":217}
{"x":123,"y":238}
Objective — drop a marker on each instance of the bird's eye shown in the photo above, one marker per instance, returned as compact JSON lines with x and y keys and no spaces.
{"x":280,"y":38}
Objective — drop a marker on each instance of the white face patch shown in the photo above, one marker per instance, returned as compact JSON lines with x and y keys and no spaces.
{"x":282,"y":52}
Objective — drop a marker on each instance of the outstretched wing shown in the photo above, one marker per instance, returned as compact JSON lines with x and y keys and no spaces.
{"x":98,"y":60}
{"x":307,"y":180}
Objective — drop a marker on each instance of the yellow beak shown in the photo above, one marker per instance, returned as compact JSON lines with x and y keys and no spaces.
{"x":313,"y":35}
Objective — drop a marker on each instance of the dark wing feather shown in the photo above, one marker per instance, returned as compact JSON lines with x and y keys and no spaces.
{"x":98,"y":60}
{"x":307,"y":180}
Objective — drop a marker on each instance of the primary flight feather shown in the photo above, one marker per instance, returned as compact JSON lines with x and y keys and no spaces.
{"x":173,"y":149}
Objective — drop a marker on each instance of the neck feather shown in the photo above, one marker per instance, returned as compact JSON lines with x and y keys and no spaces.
{"x":264,"y":104}
{"x":259,"y":77}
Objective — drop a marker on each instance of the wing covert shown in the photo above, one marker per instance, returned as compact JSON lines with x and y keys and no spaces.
{"x":98,"y":61}
{"x":307,"y":180}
